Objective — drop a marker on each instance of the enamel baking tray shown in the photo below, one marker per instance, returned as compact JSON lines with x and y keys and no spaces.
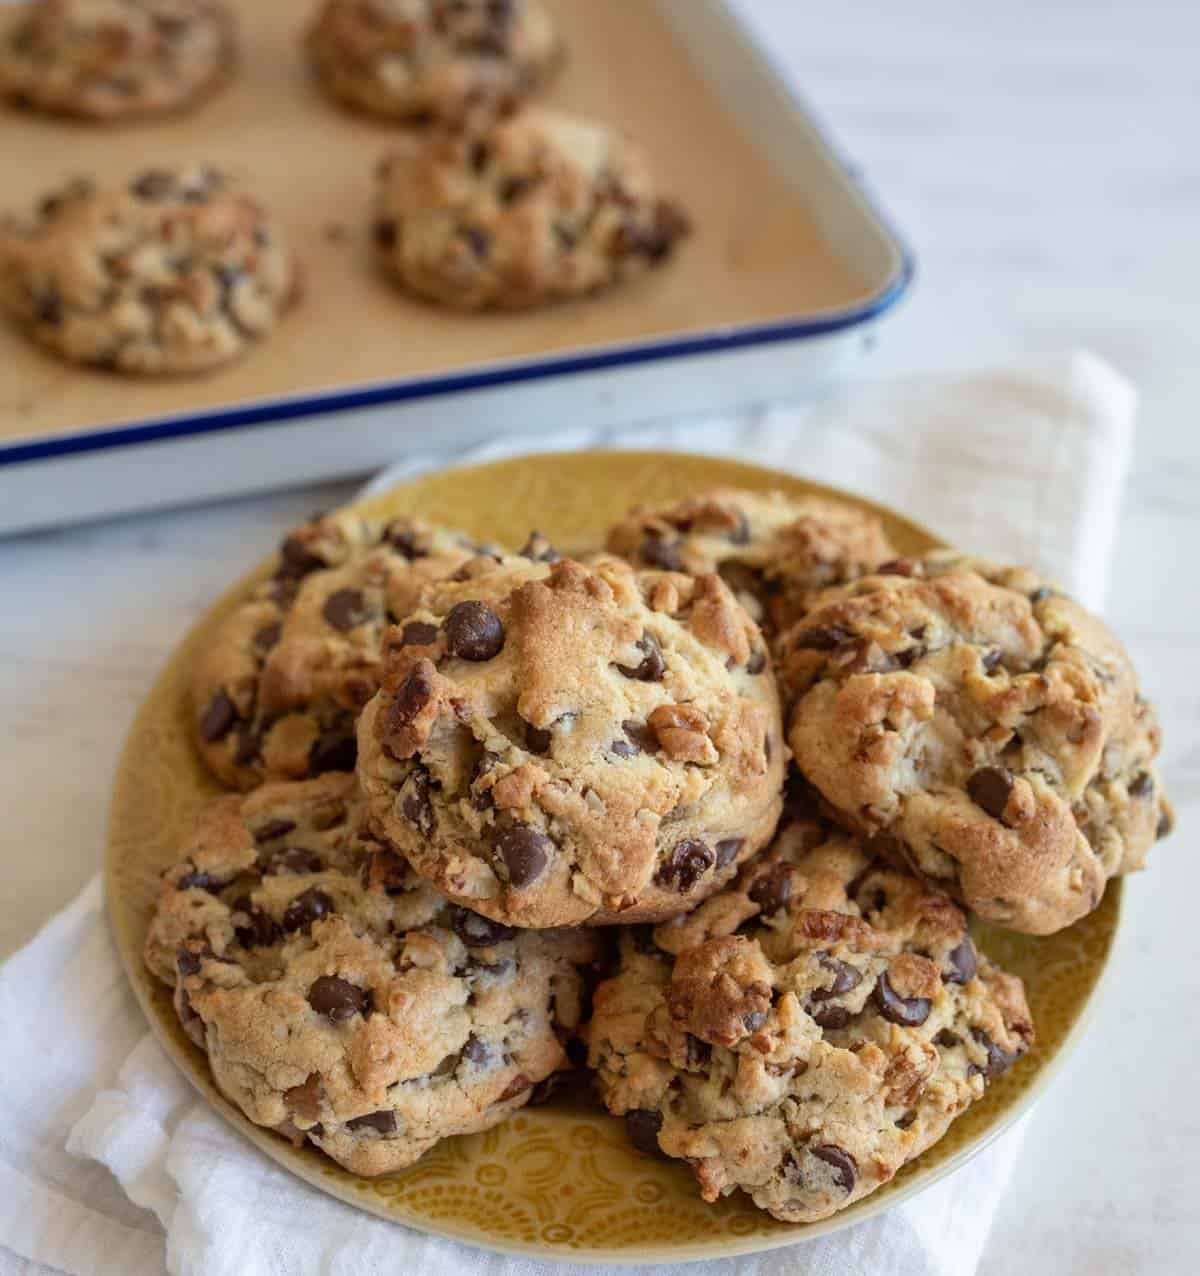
{"x":788,"y":269}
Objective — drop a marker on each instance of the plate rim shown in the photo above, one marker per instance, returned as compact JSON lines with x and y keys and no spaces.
{"x":187,"y":1060}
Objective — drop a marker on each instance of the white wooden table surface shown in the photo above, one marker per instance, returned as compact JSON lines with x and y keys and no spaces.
{"x":1043,"y":161}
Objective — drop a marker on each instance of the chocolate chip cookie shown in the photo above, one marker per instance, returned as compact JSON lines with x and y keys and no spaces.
{"x":112,"y":60}
{"x":804,"y":1034}
{"x":982,"y":729}
{"x":773,"y":550}
{"x":422,"y":61}
{"x":541,"y":207}
{"x":276,"y":693}
{"x":177,"y":271}
{"x":555,"y":744}
{"x":342,"y":1000}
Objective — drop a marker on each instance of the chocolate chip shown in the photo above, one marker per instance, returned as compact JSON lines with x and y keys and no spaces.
{"x":991,"y":659}
{"x":652,"y":666}
{"x":336,"y":749}
{"x":305,"y":909}
{"x":415,"y":803}
{"x":296,"y":559}
{"x":1142,"y":786}
{"x":338,"y":999}
{"x":845,"y":1172}
{"x":537,"y":740}
{"x":218,"y":717}
{"x":381,"y":1122}
{"x":346,"y":609}
{"x":154,"y":184}
{"x":479,"y":240}
{"x":477,"y":1051}
{"x":947,"y":1039}
{"x":640,"y":739}
{"x":830,"y":1016}
{"x":642,"y":1126}
{"x":688,"y":862}
{"x":473,"y":631}
{"x":518,"y":1085}
{"x":292,"y":859}
{"x":418,"y":633}
{"x":660,"y":552}
{"x":267,"y":636}
{"x":757,"y":662}
{"x":961,"y":963}
{"x":772,"y":889}
{"x":998,"y":1061}
{"x":259,"y":931}
{"x":908,"y":1012}
{"x":400,"y":536}
{"x":1166,"y":822}
{"x":822,"y":638}
{"x":479,"y":932}
{"x":539,"y":550}
{"x":272,"y":829}
{"x":512,"y":188}
{"x":845,"y":977}
{"x":384,"y":233}
{"x":525,"y":852}
{"x":196,"y":880}
{"x":727,"y":850}
{"x":410,"y":699}
{"x":187,"y":963}
{"x":989,"y":788}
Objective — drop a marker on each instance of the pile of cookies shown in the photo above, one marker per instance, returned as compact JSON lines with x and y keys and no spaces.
{"x":701,"y":811}
{"x":488,"y":203}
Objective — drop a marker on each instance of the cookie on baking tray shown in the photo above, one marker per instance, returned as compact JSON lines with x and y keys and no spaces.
{"x":806,"y":1032}
{"x":541,"y":207}
{"x":982,"y":729}
{"x":341,"y":999}
{"x":112,"y":60}
{"x":419,"y":61}
{"x":177,"y":271}
{"x":557,"y":744}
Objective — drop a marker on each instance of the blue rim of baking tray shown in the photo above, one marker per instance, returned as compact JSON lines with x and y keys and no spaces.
{"x":277,"y":411}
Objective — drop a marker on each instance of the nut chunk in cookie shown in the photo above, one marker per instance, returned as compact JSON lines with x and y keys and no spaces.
{"x":982,"y":728}
{"x":775,"y":551}
{"x":555,"y":744}
{"x":340,"y":998}
{"x":448,"y":61}
{"x":805,"y":1033}
{"x":113,"y":60}
{"x":540,"y":208}
{"x":276,"y":692}
{"x":177,"y":271}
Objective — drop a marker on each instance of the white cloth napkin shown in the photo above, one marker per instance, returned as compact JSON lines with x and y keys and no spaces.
{"x":1025,"y":463}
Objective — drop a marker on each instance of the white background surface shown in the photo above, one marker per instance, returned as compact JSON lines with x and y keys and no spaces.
{"x":1042,"y":160}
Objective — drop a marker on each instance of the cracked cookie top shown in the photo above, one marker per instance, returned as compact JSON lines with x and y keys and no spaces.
{"x":981,"y":728}
{"x":177,"y":271}
{"x":424,"y":61}
{"x":775,"y":551}
{"x":555,"y":744}
{"x":804,"y":1033}
{"x":340,"y":998}
{"x":541,"y":207}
